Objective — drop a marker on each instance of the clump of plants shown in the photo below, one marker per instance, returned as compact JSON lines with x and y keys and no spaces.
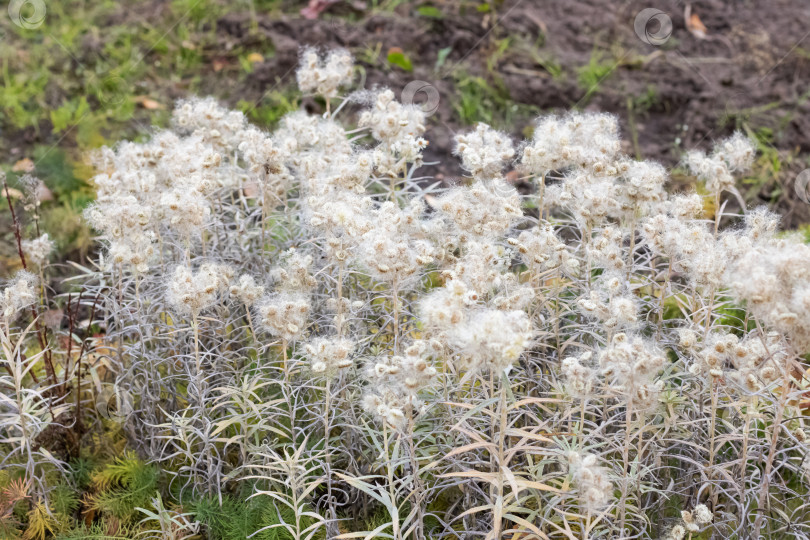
{"x":297,"y":335}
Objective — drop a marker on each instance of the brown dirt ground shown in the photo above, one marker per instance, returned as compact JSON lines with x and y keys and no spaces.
{"x":750,"y":71}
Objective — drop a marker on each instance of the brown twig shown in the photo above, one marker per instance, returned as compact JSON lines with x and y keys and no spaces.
{"x":79,"y":377}
{"x":40,"y":331}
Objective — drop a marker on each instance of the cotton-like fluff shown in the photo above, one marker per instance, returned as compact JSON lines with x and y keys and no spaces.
{"x":542,"y":250}
{"x":190,"y":293}
{"x":511,"y":295}
{"x":327,"y":176}
{"x":606,"y":249}
{"x":666,"y":235}
{"x":752,"y":362}
{"x":306,"y":137}
{"x":18,"y":294}
{"x":185,"y":211}
{"x":491,"y":339}
{"x":630,"y":366}
{"x":482,"y":267}
{"x":691,"y":247}
{"x":215,"y":125}
{"x":685,"y":207}
{"x":246,"y":290}
{"x":386,"y":407}
{"x":575,"y":140}
{"x":484,"y":151}
{"x":761,"y":225}
{"x":127,"y":225}
{"x":344,"y":215}
{"x":715,"y":355}
{"x":393,"y":249}
{"x":774,"y":280}
{"x":590,"y":199}
{"x":698,"y":517}
{"x":447,"y":306}
{"x":592,"y":481}
{"x":405,"y":375}
{"x":324,"y":74}
{"x":399,"y":128}
{"x":579,"y":377}
{"x":615,"y":312}
{"x":284,"y":314}
{"x":293,"y":274}
{"x":734,"y":155}
{"x":678,"y":532}
{"x":483,"y":209}
{"x":759,"y":231}
{"x":266,"y":162}
{"x":329,"y":355}
{"x":758,"y":362}
{"x":38,"y":250}
{"x":643,"y":186}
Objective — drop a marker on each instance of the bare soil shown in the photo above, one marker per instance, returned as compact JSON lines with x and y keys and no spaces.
{"x":749,"y":70}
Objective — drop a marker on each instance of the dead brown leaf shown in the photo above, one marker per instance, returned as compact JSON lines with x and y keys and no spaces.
{"x":24,"y":165}
{"x":694,"y":24}
{"x":148,"y":103}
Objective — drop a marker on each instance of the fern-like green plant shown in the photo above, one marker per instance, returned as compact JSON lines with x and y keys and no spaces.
{"x":123,"y":486}
{"x":96,"y":532}
{"x":64,"y":500}
{"x":41,"y":523}
{"x":236,"y":519}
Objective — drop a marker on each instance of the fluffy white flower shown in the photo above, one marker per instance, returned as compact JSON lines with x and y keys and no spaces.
{"x":18,"y":294}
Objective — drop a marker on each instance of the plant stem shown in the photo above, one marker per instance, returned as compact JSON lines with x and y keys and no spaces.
{"x":197,"y":362}
{"x":626,"y":462}
{"x":777,"y":426}
{"x":390,"y":473}
{"x":501,"y":460}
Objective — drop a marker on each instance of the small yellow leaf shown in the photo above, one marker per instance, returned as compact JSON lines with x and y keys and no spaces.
{"x":255,"y":57}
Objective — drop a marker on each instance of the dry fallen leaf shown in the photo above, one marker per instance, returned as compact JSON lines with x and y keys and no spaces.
{"x":694,"y":24}
{"x":697,"y":27}
{"x":43,"y":193}
{"x":251,"y":190}
{"x":13,"y":193}
{"x":148,"y":103}
{"x":316,"y":7}
{"x":24,"y":165}
{"x":255,"y":57}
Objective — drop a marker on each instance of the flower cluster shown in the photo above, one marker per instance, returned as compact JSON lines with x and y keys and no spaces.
{"x":190,"y":293}
{"x":486,"y":331}
{"x":631,"y":364}
{"x":484,"y":151}
{"x":734,"y":155}
{"x":592,"y":481}
{"x":330,"y":355}
{"x":18,"y":295}
{"x":581,"y":140}
{"x":399,"y":129}
{"x":284,"y":314}
{"x":246,"y":290}
{"x":579,"y":377}
{"x":324,"y":75}
{"x":692,"y":522}
{"x":38,"y":250}
{"x":774,"y":279}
